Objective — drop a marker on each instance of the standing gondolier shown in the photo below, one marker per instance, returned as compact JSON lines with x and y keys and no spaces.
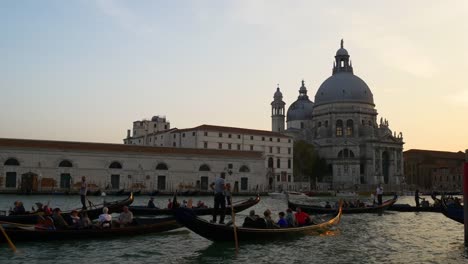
{"x":379,"y":193}
{"x":83,"y":191}
{"x":219,"y":201}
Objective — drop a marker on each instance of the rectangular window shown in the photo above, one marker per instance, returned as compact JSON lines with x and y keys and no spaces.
{"x":278,"y":140}
{"x":229,"y":146}
{"x":220,"y":134}
{"x":238,"y":147}
{"x":230,"y":166}
{"x":183,"y":134}
{"x":204,"y":183}
{"x":244,"y":183}
{"x":220,"y":145}
{"x":271,"y":149}
{"x":289,"y":163}
{"x":205,"y":133}
{"x":251,"y":137}
{"x":278,"y":150}
{"x":271,"y":139}
{"x":278,"y":178}
{"x":289,"y":150}
{"x":263,"y":138}
{"x":174,"y":135}
{"x":289,"y":177}
{"x":65,"y":179}
{"x":10,"y":180}
{"x":161,"y":182}
{"x":205,"y":144}
{"x":173,"y":144}
{"x":193,"y":133}
{"x":251,"y":147}
{"x":289,"y":140}
{"x":238,"y":136}
{"x":229,"y":136}
{"x":115,"y":181}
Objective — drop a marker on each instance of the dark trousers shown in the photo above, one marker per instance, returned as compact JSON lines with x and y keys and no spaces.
{"x":83,"y":201}
{"x":379,"y":199}
{"x":219,"y":201}
{"x":417,"y":201}
{"x":228,"y":200}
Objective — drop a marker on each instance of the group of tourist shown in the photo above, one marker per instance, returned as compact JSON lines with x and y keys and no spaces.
{"x":288,"y":219}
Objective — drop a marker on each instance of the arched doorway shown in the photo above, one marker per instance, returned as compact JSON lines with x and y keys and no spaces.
{"x":385,"y":166}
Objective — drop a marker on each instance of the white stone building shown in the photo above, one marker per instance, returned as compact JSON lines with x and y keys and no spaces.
{"x":342,"y":124}
{"x":277,"y":148}
{"x":44,"y":166}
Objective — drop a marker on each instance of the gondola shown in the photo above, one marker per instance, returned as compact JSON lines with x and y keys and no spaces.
{"x":141,"y":226}
{"x":311,"y":209}
{"x":409,"y":208}
{"x":454,"y":212}
{"x":93,"y":212}
{"x":217,"y":232}
{"x":123,"y":192}
{"x":238,"y":207}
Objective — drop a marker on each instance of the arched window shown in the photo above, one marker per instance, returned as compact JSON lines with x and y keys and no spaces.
{"x":65,"y":163}
{"x":115,"y":165}
{"x":244,"y":168}
{"x":161,"y":166}
{"x":339,"y":128}
{"x":204,"y":167}
{"x":278,"y":163}
{"x":346,"y":153}
{"x":319,"y":124}
{"x":349,"y":127}
{"x":270,"y":162}
{"x":11,"y":162}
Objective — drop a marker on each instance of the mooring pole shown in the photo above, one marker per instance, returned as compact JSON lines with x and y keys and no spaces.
{"x":465,"y":200}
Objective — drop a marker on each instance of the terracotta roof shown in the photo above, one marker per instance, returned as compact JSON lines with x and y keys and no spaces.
{"x":106,"y":147}
{"x":436,"y":154}
{"x":234,"y":130}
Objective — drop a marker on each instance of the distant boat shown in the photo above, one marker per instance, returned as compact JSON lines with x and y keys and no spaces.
{"x":346,"y":194}
{"x":282,"y":195}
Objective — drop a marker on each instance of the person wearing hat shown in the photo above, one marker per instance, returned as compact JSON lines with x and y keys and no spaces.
{"x":59,"y":222}
{"x":151,"y":203}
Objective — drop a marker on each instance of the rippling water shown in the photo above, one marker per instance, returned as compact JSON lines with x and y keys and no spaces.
{"x":392,"y":237}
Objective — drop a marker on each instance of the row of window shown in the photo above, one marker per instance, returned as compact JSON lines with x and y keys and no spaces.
{"x":282,"y":178}
{"x":229,"y":146}
{"x":228,"y":135}
{"x":278,"y":163}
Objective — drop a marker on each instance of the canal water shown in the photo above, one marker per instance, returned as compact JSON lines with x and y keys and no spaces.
{"x":391,"y":237}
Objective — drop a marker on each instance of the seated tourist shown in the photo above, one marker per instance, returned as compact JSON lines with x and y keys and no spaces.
{"x":282,"y":221}
{"x":47,"y":210}
{"x":85,"y":222}
{"x":59,"y":222}
{"x":39,"y":209}
{"x":290,"y":218}
{"x":301,"y":217}
{"x":151,"y":203}
{"x":169,"y":204}
{"x":125,"y":218}
{"x":105,"y":219}
{"x":19,"y":208}
{"x":251,"y":219}
{"x":201,"y":204}
{"x":75,"y":219}
{"x":269,"y":222}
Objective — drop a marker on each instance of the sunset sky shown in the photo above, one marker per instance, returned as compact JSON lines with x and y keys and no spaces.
{"x":85,"y":70}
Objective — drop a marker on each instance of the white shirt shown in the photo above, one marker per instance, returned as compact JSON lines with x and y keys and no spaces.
{"x":105,"y":218}
{"x":379,"y":191}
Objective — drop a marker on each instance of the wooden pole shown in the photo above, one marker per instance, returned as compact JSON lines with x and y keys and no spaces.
{"x":12,"y":246}
{"x":465,"y":200}
{"x":234,"y":225}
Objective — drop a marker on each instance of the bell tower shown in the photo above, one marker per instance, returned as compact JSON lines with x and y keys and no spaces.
{"x":277,"y":111}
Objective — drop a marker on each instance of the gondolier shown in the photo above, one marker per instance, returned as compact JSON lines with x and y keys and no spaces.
{"x":83,"y":191}
{"x":379,"y":193}
{"x":219,"y":201}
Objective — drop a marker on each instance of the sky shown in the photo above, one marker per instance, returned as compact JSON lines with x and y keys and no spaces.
{"x":85,"y":70}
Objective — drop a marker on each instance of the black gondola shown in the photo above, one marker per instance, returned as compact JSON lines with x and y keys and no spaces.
{"x":453,"y":211}
{"x":238,"y":207}
{"x":312,"y":209}
{"x":217,"y":232}
{"x":93,"y":212}
{"x":141,"y":226}
{"x":409,"y":208}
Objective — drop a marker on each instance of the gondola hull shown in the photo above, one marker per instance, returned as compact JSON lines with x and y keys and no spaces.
{"x":217,"y":232}
{"x":409,"y":208}
{"x":238,"y":207}
{"x":358,"y":210}
{"x":453,"y":212}
{"x":93,"y":213}
{"x":153,"y":226}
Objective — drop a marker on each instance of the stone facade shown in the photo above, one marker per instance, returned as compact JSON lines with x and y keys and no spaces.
{"x":277,"y":148}
{"x":48,"y":166}
{"x":342,"y":124}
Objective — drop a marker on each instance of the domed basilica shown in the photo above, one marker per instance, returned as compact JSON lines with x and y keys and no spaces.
{"x":342,"y":124}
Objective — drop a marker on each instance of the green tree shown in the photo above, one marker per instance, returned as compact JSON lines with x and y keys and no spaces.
{"x":308,"y":165}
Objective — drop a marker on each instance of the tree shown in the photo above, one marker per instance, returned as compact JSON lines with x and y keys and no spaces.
{"x":308,"y":165}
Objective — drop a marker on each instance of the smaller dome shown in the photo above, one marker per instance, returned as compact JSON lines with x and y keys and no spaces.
{"x":300,"y":110}
{"x":342,"y":52}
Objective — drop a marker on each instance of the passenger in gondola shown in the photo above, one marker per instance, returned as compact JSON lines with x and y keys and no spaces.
{"x":151,"y":203}
{"x":85,"y":222}
{"x":59,"y":222}
{"x":282,"y":221}
{"x":327,"y":205}
{"x":169,"y":204}
{"x":201,"y":204}
{"x":290,"y":218}
{"x":302,"y":218}
{"x":105,"y":219}
{"x":125,"y":218}
{"x":47,"y":210}
{"x":39,"y":209}
{"x":268,"y":221}
{"x":19,"y":208}
{"x":75,"y":219}
{"x":250,"y":220}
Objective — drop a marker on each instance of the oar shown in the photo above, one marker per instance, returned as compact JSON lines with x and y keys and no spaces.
{"x":234,"y":225}
{"x":8,"y":239}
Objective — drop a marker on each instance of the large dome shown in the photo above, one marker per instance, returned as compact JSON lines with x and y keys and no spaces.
{"x":344,"y":87}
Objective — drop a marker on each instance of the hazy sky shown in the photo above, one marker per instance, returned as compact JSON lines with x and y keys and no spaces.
{"x":85,"y":70}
